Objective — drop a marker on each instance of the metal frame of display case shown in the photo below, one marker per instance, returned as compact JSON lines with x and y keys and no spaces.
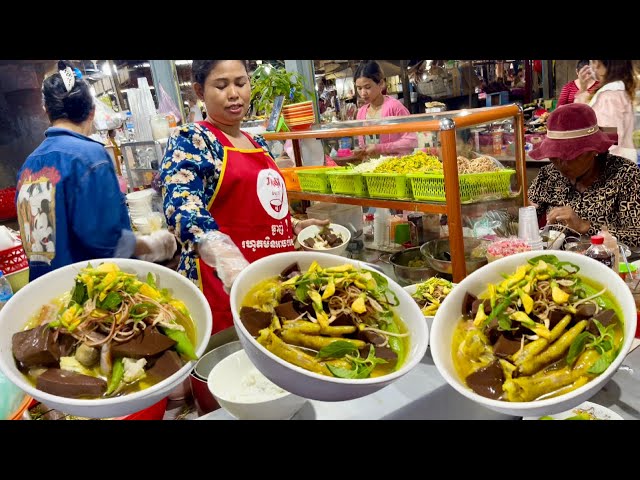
{"x":446,"y":123}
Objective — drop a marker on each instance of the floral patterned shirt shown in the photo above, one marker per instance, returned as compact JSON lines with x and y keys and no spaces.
{"x":189,"y":172}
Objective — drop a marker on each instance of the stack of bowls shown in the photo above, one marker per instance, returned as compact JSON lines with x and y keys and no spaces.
{"x":298,"y":116}
{"x":140,"y":209}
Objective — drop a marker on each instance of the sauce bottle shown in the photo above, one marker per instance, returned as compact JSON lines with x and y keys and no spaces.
{"x":598,"y":251}
{"x":612,"y":244}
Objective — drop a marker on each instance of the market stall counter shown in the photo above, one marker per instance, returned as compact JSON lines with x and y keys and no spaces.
{"x":423,"y":394}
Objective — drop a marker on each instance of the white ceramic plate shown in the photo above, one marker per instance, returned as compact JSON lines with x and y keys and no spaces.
{"x":600,"y":412}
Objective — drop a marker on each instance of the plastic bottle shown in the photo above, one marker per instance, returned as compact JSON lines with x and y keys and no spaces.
{"x":368,"y":229}
{"x":381,"y":228}
{"x":129,"y":126}
{"x":598,"y":251}
{"x":612,"y":244}
{"x":5,"y":290}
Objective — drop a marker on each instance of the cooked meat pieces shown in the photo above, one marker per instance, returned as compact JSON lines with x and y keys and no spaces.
{"x":70,"y":384}
{"x":149,"y":342}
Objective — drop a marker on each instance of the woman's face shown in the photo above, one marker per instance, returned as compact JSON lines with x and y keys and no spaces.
{"x":598,"y":69}
{"x":575,"y":168}
{"x":226,"y":92}
{"x":368,"y":90}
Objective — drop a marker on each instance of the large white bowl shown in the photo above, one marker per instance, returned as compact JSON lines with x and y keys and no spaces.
{"x":450,"y":312}
{"x":28,"y":300}
{"x":303,"y":382}
{"x":226,"y":382}
{"x":312,"y":230}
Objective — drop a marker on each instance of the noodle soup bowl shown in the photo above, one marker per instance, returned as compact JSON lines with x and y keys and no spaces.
{"x":450,"y":313}
{"x":305,"y":383}
{"x":26,"y":302}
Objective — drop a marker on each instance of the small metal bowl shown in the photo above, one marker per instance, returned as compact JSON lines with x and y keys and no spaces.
{"x":438,"y":254}
{"x":406,"y":275}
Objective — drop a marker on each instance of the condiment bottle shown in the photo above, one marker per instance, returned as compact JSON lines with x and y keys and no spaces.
{"x":368,"y":229}
{"x":598,"y":251}
{"x":612,"y":244}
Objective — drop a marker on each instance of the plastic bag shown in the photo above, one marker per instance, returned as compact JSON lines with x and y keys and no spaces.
{"x":106,"y":118}
{"x":167,"y":106}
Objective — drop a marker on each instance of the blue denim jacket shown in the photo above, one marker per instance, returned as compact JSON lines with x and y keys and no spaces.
{"x":70,"y":207}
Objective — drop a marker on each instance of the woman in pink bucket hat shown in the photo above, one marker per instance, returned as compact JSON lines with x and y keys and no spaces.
{"x":585,"y":186}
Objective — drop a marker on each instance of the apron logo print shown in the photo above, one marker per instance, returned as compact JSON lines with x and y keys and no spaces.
{"x":272,"y":193}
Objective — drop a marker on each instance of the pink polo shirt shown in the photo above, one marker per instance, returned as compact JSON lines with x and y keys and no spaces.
{"x":391,"y":143}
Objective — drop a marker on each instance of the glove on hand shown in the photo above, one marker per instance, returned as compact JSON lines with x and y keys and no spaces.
{"x":217,"y":250}
{"x":162,"y":245}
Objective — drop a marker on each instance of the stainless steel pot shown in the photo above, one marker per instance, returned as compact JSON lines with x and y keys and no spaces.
{"x":406,"y":275}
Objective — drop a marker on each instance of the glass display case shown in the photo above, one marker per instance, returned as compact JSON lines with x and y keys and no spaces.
{"x":142,"y":161}
{"x":449,"y":135}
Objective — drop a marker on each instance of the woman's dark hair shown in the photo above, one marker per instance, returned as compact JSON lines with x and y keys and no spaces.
{"x":369,"y":69}
{"x":581,"y":63}
{"x":620,"y":70}
{"x":200,"y":69}
{"x":75,"y":105}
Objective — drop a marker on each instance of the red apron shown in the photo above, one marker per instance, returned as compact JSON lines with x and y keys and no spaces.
{"x":250,"y":205}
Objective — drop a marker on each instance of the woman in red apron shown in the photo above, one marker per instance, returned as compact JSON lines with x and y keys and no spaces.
{"x":217,"y":178}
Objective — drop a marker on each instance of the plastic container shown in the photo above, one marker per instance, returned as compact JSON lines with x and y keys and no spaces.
{"x":381,"y":228}
{"x":5,"y":290}
{"x":598,"y":251}
{"x":337,"y":213}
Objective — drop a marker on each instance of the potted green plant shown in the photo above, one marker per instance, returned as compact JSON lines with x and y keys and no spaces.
{"x":268,"y":82}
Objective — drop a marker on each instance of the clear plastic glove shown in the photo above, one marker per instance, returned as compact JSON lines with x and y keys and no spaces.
{"x":217,"y":250}
{"x":161,"y":245}
{"x":302,"y":224}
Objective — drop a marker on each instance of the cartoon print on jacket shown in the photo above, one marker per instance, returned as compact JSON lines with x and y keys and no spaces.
{"x":36,"y":215}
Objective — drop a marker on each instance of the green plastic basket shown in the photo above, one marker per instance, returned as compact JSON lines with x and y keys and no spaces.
{"x":347,"y":182}
{"x":388,"y":185}
{"x":316,"y":180}
{"x":472,"y":186}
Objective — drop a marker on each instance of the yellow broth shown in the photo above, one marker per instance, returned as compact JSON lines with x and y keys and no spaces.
{"x":265,"y":295}
{"x":60,"y":304}
{"x":482,"y":352}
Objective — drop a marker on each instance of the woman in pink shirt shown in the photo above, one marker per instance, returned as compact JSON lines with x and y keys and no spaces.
{"x":613,"y":101}
{"x":370,"y":84}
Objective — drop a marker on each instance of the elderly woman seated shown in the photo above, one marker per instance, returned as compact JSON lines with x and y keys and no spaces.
{"x":585,"y":187}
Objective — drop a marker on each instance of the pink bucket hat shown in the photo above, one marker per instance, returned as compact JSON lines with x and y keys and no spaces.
{"x":572,"y":130}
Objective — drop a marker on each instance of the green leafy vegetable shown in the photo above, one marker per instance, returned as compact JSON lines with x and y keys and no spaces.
{"x":151,"y":280}
{"x":337,"y":349}
{"x":117,"y":373}
{"x":341,"y":372}
{"x":550,"y":259}
{"x":577,"y":347}
{"x":79,"y":294}
{"x":111,"y":302}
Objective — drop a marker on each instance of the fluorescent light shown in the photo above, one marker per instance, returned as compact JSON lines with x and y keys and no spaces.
{"x":184,"y":62}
